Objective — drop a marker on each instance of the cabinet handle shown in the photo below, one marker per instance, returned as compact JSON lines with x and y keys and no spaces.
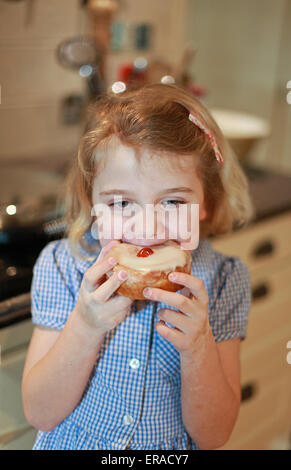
{"x":260,"y":291}
{"x":264,"y":248}
{"x":248,"y":391}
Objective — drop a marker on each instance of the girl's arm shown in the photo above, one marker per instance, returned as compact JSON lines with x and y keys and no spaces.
{"x":59,"y":364}
{"x":56,"y":371}
{"x":210,"y":392}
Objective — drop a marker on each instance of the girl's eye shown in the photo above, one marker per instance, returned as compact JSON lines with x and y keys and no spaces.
{"x":174,"y":202}
{"x":117,"y":204}
{"x":124,"y":204}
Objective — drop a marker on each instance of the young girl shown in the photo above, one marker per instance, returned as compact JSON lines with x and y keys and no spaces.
{"x":103,"y":371}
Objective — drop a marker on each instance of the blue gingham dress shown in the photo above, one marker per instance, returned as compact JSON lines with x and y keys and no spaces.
{"x":132,"y":399}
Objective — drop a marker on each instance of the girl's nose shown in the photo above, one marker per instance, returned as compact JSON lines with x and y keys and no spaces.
{"x":147,"y":230}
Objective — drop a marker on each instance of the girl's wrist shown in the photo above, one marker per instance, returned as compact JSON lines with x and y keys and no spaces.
{"x":84,"y":328}
{"x":200,"y":350}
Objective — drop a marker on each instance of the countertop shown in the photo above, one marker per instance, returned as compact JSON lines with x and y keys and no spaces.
{"x":270,"y":192}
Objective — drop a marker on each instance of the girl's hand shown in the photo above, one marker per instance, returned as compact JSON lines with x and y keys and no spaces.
{"x":191,"y":322}
{"x":94,"y":303}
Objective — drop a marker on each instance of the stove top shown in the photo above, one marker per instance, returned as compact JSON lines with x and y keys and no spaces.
{"x":16,"y":265}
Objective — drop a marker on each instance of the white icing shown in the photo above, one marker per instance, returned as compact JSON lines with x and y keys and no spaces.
{"x":165,"y":257}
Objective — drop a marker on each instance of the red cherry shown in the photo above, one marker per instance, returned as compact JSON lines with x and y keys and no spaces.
{"x":144,"y":252}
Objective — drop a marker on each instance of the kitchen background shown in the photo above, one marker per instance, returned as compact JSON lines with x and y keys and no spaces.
{"x":235,"y":56}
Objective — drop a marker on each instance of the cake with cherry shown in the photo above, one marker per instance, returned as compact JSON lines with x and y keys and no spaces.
{"x":149,"y":267}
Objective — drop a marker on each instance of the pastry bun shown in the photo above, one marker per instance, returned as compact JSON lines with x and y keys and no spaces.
{"x":149,"y":267}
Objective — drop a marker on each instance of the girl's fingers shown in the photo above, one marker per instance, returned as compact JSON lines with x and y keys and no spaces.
{"x":181,"y":302}
{"x":105,"y":250}
{"x":94,"y":274}
{"x":195,"y":286}
{"x":103,"y":292}
{"x":176,"y":319}
{"x":121,"y":306}
{"x":120,"y":303}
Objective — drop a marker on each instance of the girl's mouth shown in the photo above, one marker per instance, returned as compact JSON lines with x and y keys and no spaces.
{"x":148,"y":243}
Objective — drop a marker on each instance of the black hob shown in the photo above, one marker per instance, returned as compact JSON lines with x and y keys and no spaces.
{"x":16,"y":264}
{"x":16,"y":269}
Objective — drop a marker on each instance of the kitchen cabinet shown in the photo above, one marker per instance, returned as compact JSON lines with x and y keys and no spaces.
{"x":264,"y":420}
{"x":15,"y":432}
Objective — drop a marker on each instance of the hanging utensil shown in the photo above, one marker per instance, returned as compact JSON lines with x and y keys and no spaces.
{"x":75,"y":52}
{"x":181,"y":71}
{"x":29,"y":12}
{"x":82,"y":54}
{"x":101,"y":13}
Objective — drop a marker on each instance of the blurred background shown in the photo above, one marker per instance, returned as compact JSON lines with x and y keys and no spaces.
{"x":58,"y":56}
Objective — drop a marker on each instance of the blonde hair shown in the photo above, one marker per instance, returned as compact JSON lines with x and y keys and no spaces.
{"x":155,"y":117}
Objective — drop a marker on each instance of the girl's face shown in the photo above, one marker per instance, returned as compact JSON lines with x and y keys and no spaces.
{"x":148,"y":197}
